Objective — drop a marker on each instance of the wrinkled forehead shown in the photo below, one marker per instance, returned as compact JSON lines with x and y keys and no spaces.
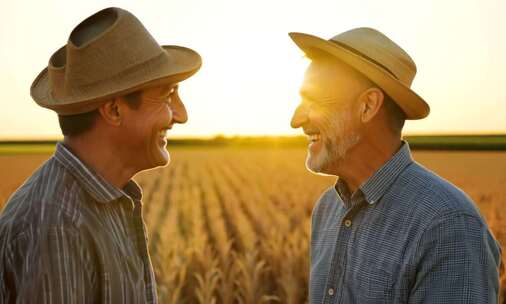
{"x":321,"y":75}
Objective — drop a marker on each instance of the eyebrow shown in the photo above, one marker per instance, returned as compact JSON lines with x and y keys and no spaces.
{"x":304,"y":93}
{"x":166,"y":90}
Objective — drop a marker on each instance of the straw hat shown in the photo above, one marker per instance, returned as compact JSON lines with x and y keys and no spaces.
{"x":108,"y":54}
{"x":378,"y":58}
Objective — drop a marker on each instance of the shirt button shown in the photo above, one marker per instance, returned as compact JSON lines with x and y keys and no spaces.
{"x":347,"y":223}
{"x":331,"y":291}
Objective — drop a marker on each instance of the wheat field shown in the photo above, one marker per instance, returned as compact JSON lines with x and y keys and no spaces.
{"x":231,"y":225}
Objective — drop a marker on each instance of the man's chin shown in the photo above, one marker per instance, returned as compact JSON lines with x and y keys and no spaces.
{"x":315,"y":163}
{"x":164,"y":159}
{"x":159,"y":159}
{"x":321,"y":163}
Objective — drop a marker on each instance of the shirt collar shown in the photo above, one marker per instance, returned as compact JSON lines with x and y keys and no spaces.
{"x":376,"y":186}
{"x":100,"y":189}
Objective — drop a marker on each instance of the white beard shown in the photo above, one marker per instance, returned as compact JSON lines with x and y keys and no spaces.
{"x":335,"y":146}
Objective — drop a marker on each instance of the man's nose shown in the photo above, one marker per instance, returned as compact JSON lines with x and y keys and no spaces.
{"x":299,"y":116}
{"x":179,"y":114}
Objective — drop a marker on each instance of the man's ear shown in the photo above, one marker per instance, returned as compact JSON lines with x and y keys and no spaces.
{"x":371,"y":101}
{"x":112,"y":112}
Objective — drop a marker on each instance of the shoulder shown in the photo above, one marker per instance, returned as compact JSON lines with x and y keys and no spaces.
{"x":435,"y":193}
{"x":50,"y":197}
{"x":430,"y":210}
{"x":432,"y":195}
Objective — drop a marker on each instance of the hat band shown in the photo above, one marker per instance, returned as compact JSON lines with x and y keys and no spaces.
{"x":354,"y":51}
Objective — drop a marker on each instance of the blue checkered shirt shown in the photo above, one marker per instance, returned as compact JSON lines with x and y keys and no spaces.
{"x":405,"y":236}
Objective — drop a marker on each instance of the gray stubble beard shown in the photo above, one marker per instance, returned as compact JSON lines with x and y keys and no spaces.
{"x":334,"y":153}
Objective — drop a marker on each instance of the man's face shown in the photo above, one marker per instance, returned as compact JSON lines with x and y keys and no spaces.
{"x":145,"y":128}
{"x":329,"y":114}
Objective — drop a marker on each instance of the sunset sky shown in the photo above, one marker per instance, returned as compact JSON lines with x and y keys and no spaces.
{"x":251,"y":69}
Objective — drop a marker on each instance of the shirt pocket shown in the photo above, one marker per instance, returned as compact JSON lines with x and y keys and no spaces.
{"x":376,"y":283}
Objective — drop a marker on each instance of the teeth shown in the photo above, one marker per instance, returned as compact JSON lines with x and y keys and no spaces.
{"x":314,"y":137}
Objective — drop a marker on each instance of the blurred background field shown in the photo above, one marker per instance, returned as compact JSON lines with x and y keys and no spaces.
{"x":229,"y":219}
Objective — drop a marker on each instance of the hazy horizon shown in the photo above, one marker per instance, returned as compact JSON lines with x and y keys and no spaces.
{"x":213,"y":136}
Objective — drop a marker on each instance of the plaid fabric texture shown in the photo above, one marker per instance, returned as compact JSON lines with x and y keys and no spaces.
{"x":68,"y":236}
{"x":406,"y":236}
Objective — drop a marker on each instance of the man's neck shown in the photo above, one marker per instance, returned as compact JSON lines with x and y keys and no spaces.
{"x":102,"y":158}
{"x":365,"y":159}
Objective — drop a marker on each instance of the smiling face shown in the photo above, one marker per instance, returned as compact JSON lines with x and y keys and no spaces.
{"x":329,"y":113}
{"x":331,"y":135}
{"x":145,"y":128}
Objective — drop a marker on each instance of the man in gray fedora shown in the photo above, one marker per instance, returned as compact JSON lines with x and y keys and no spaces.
{"x":74,"y":232}
{"x":390,"y":230}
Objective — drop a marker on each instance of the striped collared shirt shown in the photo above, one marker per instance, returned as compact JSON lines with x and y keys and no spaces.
{"x":69,"y":236}
{"x":405,"y":236}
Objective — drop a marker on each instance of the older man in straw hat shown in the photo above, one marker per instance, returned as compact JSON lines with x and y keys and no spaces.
{"x":74,"y":233}
{"x":390,"y":231}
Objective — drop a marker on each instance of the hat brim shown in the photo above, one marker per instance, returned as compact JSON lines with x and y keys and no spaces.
{"x":413,"y":105}
{"x":179,"y":64}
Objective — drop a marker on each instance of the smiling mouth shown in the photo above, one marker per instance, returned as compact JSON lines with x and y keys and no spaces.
{"x":314,"y":137}
{"x":162,"y":136}
{"x":162,"y":133}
